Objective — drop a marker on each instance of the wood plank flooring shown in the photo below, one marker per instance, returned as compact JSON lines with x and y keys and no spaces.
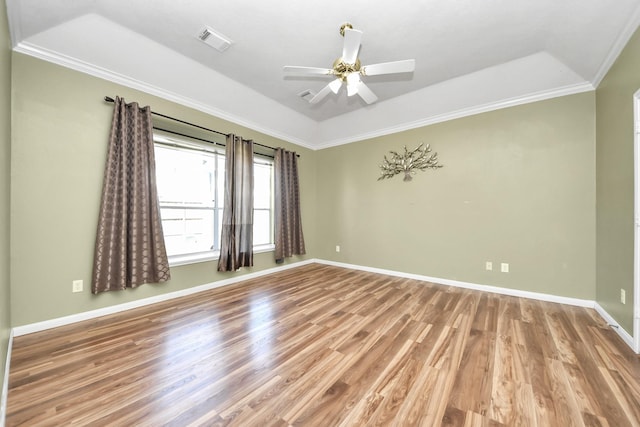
{"x":326,"y":346}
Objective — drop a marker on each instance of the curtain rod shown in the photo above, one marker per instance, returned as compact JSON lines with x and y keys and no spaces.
{"x":109,"y":99}
{"x":203,"y":140}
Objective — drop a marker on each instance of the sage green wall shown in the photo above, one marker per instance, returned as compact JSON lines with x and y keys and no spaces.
{"x":5,"y":176}
{"x":614,"y":185}
{"x":517,"y":186}
{"x":60,"y":130}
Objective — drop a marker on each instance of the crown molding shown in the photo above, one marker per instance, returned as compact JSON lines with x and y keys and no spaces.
{"x":618,"y":46}
{"x":13,"y":16}
{"x":93,"y":70}
{"x":465,"y":112}
{"x":105,"y":74}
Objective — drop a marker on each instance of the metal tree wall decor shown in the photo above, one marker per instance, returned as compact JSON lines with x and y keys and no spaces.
{"x":409,"y":162}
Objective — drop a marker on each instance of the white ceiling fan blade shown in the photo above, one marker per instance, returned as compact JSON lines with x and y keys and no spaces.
{"x":334,"y":86}
{"x":365,"y":93}
{"x":307,"y":70}
{"x":406,"y":66}
{"x":351,"y":45}
{"x":353,"y":80}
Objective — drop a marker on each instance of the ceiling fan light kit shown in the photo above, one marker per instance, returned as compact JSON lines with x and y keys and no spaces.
{"x":348,"y":69}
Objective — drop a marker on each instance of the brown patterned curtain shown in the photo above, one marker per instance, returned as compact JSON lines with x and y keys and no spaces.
{"x":130,"y":247}
{"x":289,"y":239}
{"x":236,"y":241}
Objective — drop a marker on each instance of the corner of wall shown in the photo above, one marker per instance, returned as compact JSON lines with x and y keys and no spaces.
{"x":5,"y":176}
{"x":615,"y":184}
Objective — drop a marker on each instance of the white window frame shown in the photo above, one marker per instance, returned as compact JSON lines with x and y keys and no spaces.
{"x":197,"y":257}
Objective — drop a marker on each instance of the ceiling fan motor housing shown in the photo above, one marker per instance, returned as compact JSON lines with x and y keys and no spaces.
{"x":343,"y":69}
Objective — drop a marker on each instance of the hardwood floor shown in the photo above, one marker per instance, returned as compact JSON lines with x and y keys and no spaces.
{"x":326,"y":346}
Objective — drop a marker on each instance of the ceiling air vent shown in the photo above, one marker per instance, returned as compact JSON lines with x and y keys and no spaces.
{"x":214,"y":39}
{"x":307,"y":94}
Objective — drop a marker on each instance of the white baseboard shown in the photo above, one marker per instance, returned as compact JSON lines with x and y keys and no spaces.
{"x":5,"y":382}
{"x":467,"y":285}
{"x":53,"y":323}
{"x":626,"y":337}
{"x":87,"y":315}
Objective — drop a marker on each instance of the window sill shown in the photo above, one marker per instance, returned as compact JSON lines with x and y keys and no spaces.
{"x":177,"y":260}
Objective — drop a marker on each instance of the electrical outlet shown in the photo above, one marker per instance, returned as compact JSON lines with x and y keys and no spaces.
{"x":488,"y":265}
{"x":76,"y":286}
{"x":623,"y":296}
{"x":504,"y":267}
{"x":337,"y":248}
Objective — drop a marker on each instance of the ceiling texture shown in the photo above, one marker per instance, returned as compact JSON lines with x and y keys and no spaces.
{"x":471,"y":56}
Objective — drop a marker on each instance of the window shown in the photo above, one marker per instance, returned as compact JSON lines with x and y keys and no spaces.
{"x":190,"y":180}
{"x":263,"y":203}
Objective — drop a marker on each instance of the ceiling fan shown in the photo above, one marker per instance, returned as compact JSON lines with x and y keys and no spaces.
{"x":347,"y":69}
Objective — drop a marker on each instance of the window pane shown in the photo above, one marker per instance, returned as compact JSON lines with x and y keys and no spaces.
{"x":187,"y":230}
{"x":262,"y":186}
{"x":217,"y":248}
{"x":185,"y":177}
{"x":261,"y":227}
{"x":172,"y":221}
{"x":221,"y":175}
